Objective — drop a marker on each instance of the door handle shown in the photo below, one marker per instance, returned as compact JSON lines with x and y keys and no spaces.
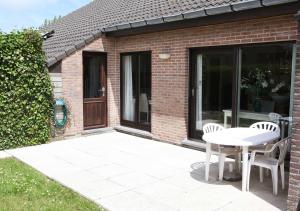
{"x":103,"y":91}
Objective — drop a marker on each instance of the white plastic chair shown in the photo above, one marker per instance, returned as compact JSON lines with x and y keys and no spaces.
{"x":222,"y":152}
{"x":264,"y":161}
{"x":270,"y":126}
{"x":274,"y":117}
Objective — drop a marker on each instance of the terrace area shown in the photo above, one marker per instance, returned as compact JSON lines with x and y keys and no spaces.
{"x":124,"y":172}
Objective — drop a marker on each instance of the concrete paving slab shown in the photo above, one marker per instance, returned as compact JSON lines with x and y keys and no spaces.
{"x":123,"y":172}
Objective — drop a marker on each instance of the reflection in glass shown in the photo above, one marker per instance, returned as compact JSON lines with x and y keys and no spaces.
{"x":92,"y":78}
{"x":145,"y":88}
{"x":265,"y":82}
{"x":214,"y":86}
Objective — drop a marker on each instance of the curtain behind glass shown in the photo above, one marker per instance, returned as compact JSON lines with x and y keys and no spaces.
{"x":199,"y":93}
{"x":128,"y":109}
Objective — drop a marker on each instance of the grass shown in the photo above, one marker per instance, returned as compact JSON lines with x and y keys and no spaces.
{"x":23,"y":188}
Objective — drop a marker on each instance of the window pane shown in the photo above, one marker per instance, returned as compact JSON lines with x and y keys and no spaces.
{"x":145,"y":88}
{"x":92,"y":78}
{"x":265,"y":82}
{"x":214,"y":86}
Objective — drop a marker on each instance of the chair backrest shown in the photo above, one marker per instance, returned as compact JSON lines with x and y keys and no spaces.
{"x":274,"y":117}
{"x":212,"y":127}
{"x":270,"y":126}
{"x":283,"y":146}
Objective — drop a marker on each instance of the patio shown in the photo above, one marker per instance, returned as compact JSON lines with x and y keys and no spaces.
{"x":123,"y":172}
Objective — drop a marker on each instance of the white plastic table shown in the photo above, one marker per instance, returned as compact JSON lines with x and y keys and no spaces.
{"x":240,"y":137}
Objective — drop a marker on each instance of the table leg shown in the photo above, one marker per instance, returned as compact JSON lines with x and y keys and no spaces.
{"x":225,"y":120}
{"x":208,"y":155}
{"x":245,"y":168}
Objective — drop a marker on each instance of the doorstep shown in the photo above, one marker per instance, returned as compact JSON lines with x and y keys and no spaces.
{"x":194,"y":144}
{"x":97,"y":131}
{"x":133,"y":131}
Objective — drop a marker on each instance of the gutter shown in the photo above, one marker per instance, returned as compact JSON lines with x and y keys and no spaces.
{"x":298,"y":15}
{"x":209,"y":11}
{"x":204,"y":12}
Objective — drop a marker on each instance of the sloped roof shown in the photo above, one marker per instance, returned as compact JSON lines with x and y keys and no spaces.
{"x":82,"y":26}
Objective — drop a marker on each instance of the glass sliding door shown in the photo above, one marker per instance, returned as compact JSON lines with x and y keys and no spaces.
{"x":265,"y":82}
{"x":136,"y":90}
{"x":239,"y":85}
{"x":211,"y":87}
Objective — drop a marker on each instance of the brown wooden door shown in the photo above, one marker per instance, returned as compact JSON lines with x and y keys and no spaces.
{"x":94,"y":90}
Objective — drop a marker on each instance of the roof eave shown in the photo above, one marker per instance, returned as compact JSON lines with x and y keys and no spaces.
{"x":210,"y":11}
{"x":234,"y":7}
{"x":77,"y":46}
{"x":276,"y":2}
{"x":253,"y":4}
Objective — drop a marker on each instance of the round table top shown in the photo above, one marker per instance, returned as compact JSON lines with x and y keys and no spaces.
{"x":241,"y":136}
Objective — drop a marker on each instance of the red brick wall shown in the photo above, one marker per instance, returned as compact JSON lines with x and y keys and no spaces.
{"x":294,"y":181}
{"x":73,"y":83}
{"x":169,"y":77}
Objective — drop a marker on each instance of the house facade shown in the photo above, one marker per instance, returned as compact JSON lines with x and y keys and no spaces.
{"x":227,"y":62}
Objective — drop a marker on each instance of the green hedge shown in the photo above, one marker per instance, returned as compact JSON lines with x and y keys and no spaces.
{"x":25,"y":90}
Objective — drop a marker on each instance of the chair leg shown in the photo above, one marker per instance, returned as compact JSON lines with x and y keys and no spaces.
{"x":282,"y":175}
{"x":267,"y":170}
{"x":261,"y":174}
{"x":248,"y":176}
{"x":274,"y":172}
{"x":208,"y":155}
{"x":221,"y":166}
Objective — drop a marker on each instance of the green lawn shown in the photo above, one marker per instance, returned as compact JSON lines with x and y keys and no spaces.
{"x":23,"y":188}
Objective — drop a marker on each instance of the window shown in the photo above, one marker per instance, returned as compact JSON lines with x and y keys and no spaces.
{"x":136,"y":90}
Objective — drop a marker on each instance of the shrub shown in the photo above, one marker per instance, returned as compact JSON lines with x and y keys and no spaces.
{"x":25,"y":90}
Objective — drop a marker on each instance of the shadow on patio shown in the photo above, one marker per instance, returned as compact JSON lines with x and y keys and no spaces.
{"x":259,"y":192}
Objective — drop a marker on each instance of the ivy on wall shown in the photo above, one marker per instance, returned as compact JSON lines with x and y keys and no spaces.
{"x":25,"y":90}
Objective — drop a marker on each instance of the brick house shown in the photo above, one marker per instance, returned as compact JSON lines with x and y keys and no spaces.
{"x":162,"y":69}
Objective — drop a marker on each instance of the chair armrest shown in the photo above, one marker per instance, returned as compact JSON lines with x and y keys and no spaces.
{"x":269,"y":149}
{"x":261,"y":151}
